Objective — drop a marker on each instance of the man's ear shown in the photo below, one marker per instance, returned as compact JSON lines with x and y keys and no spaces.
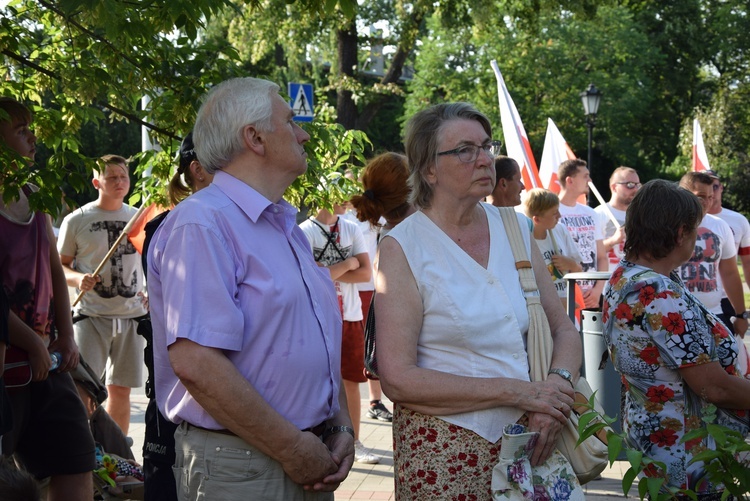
{"x":254,"y":139}
{"x":95,"y":182}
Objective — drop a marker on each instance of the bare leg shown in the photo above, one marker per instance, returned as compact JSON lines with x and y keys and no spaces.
{"x":354,"y":404}
{"x":77,"y":487}
{"x":118,"y":406}
{"x":375,"y":392}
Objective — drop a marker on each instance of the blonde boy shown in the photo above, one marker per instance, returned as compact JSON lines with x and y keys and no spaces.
{"x":559,"y":251}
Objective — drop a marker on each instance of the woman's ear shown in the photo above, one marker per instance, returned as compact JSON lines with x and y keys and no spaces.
{"x":196,"y":171}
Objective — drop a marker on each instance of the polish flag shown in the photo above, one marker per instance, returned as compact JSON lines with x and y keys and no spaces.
{"x":516,"y":140}
{"x":137,"y":233}
{"x":700,"y":159}
{"x":556,"y":151}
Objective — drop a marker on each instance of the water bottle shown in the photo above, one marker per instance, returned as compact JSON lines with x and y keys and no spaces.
{"x":56,"y":359}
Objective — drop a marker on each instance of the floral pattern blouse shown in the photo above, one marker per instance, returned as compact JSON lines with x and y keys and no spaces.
{"x":653,"y":326}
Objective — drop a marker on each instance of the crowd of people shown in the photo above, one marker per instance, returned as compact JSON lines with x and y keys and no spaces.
{"x":252,"y":330}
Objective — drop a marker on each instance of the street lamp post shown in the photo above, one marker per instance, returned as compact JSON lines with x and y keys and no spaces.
{"x":591,"y":98}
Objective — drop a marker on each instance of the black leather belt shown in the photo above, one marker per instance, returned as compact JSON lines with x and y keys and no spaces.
{"x":316,"y":430}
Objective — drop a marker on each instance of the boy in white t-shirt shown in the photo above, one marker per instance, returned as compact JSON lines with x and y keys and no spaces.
{"x":558,"y":249}
{"x":339,"y":245}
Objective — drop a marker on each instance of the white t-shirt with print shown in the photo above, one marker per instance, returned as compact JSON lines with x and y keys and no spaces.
{"x":350,"y":243}
{"x":583,"y":226}
{"x":701,"y":273}
{"x":87,"y":234}
{"x":740,"y":228}
{"x":565,"y":247}
{"x":370,"y":233}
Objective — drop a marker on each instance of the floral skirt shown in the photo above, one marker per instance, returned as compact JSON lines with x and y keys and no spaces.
{"x":434,"y":459}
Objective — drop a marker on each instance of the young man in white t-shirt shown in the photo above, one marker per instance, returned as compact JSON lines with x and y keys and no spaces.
{"x":583,"y":225}
{"x":339,"y":245}
{"x":712,"y":269}
{"x":740,"y":231}
{"x":624,"y":183}
{"x":106,"y":318}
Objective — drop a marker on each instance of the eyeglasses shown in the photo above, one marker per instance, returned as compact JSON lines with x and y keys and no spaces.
{"x":470,"y":152}
{"x":629,"y":184}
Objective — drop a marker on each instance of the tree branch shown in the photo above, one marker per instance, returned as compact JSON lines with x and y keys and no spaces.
{"x":121,"y":112}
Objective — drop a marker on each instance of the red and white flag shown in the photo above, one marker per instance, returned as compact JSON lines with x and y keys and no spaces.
{"x":700,"y":159}
{"x":556,"y":151}
{"x":516,"y":140}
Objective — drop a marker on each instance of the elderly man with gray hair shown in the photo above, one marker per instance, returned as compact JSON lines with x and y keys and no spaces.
{"x":247,"y":329}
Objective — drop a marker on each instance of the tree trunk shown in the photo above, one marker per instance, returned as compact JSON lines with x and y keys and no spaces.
{"x":346,"y":109}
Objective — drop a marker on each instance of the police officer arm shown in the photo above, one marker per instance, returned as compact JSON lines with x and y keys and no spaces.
{"x":730,"y":279}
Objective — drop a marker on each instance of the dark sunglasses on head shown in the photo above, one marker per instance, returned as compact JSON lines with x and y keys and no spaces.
{"x":629,"y":184}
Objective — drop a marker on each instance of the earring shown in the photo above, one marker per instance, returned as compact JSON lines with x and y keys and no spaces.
{"x":201,"y":179}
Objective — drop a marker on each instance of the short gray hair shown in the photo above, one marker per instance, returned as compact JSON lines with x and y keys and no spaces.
{"x":421,"y":143}
{"x":225,"y":111}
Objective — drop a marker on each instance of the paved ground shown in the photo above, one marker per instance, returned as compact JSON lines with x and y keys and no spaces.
{"x":376,"y":481}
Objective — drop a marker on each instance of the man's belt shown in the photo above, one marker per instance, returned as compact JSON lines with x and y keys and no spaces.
{"x":316,"y":430}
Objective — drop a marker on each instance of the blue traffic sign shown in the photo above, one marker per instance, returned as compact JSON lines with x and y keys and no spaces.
{"x":301,"y":101}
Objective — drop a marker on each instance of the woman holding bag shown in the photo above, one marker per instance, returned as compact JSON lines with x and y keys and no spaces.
{"x":452,"y":321}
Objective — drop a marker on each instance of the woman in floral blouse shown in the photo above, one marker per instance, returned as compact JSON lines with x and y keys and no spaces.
{"x":675,"y":357}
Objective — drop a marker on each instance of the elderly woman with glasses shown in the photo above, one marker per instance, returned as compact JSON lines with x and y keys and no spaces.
{"x":674,"y":355}
{"x":452,"y":319}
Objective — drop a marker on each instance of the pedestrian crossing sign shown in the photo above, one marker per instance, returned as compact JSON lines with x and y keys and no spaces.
{"x":301,"y":101}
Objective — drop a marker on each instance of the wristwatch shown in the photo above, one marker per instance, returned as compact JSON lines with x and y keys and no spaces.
{"x":745,"y":314}
{"x":563,"y":373}
{"x":337,"y":429}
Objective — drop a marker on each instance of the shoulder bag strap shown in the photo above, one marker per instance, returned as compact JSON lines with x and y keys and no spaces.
{"x":539,"y":344}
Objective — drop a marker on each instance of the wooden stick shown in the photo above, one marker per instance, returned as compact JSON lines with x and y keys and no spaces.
{"x":112,"y":250}
{"x":604,"y":204}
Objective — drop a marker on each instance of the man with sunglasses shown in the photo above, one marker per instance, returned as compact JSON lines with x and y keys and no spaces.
{"x":624,"y":183}
{"x":740,"y":230}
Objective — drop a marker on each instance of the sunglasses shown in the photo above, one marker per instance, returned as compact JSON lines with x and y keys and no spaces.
{"x":629,"y":184}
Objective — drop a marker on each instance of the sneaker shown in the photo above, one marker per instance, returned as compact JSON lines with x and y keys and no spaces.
{"x":380,"y":412}
{"x":363,"y":455}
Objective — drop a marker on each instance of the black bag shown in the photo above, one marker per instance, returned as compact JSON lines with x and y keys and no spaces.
{"x":371,"y":363}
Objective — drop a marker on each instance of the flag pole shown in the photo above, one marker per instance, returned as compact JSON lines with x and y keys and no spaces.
{"x":112,"y":250}
{"x":604,"y":204}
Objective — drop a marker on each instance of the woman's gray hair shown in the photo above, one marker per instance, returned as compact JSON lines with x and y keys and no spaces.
{"x":225,"y":111}
{"x":421,"y":142}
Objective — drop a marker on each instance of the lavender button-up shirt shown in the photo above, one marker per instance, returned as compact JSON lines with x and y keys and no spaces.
{"x":229,"y":269}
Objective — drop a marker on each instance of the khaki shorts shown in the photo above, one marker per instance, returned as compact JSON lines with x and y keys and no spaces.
{"x":112,"y":347}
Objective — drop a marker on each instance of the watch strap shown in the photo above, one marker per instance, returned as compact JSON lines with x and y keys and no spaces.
{"x":332,"y":430}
